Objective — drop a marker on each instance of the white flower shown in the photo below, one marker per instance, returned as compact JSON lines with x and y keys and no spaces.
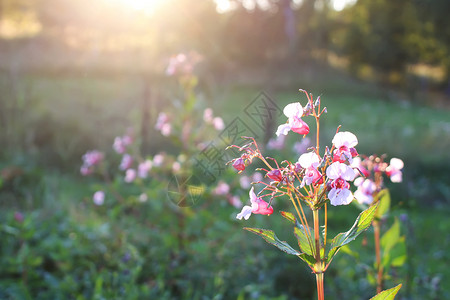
{"x":340,"y":193}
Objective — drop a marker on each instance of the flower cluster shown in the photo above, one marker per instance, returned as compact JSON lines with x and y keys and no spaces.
{"x":90,"y":160}
{"x":314,"y":178}
{"x":372,"y":168}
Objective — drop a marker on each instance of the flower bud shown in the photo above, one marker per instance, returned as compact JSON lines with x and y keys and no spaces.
{"x":239,"y":164}
{"x":275,"y":174}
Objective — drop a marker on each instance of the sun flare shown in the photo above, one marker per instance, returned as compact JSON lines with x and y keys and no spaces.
{"x":140,"y":5}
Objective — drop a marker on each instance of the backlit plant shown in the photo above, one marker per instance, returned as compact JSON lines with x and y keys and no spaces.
{"x":319,"y":177}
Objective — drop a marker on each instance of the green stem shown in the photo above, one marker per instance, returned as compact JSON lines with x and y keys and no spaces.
{"x":318,"y":269}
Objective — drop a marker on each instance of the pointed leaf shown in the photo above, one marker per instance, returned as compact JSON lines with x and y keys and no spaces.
{"x":310,"y":260}
{"x":363,"y":221}
{"x":305,"y":242}
{"x":385,"y":203}
{"x":387,"y":294}
{"x":270,"y":237}
{"x":390,"y":237}
{"x":289,"y":216}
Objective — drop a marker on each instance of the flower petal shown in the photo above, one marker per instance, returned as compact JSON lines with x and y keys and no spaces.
{"x":283,"y":129}
{"x":245,"y":213}
{"x":345,"y":138}
{"x":309,"y":159}
{"x":293,"y":109}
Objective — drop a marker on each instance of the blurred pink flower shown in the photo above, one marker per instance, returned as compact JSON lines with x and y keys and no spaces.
{"x":235,"y":201}
{"x":166,"y":129}
{"x":277,"y":143}
{"x":340,"y":193}
{"x":394,"y":170}
{"x":176,"y":166}
{"x":98,"y":198}
{"x":120,"y":143}
{"x":130,"y":175}
{"x":158,"y":159}
{"x":222,"y":188}
{"x":218,"y":123}
{"x":245,"y":182}
{"x":85,"y":170}
{"x":366,"y":188}
{"x":208,"y":115}
{"x":258,"y":206}
{"x":294,"y":112}
{"x":301,"y":147}
{"x":144,"y":168}
{"x":92,"y":158}
{"x":127,"y":161}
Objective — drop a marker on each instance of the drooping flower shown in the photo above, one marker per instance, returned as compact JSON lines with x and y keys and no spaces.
{"x":366,"y":188}
{"x":344,"y":142}
{"x":394,"y":169}
{"x":340,"y":193}
{"x":294,"y":112}
{"x":258,"y":206}
{"x":275,"y":174}
{"x":98,"y":198}
{"x":310,"y":161}
{"x":239,"y":164}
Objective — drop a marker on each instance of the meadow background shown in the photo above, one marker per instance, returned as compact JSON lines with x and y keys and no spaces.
{"x":76,"y":74}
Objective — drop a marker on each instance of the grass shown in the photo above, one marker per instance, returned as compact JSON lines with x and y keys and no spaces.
{"x":79,"y":113}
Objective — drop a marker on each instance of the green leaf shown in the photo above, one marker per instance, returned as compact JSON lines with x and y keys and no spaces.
{"x":270,"y":237}
{"x":390,"y":237}
{"x":363,"y":221}
{"x":384,"y":198}
{"x":387,"y":294}
{"x":289,"y":216}
{"x":305,"y":242}
{"x":310,"y":260}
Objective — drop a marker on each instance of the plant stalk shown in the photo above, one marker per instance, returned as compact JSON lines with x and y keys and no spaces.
{"x":318,"y":270}
{"x":379,"y":267}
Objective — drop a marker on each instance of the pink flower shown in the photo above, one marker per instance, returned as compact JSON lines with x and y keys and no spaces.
{"x":85,"y":170}
{"x":127,"y":161}
{"x":294,"y":112}
{"x":344,"y":142}
{"x":245,"y":182}
{"x":130,"y":175}
{"x":158,"y":159}
{"x":176,"y":166}
{"x":144,"y":168}
{"x":275,"y":174}
{"x":340,"y":173}
{"x":258,"y":206}
{"x":366,"y":188}
{"x":310,"y":161}
{"x":218,"y":123}
{"x":357,"y":163}
{"x":98,"y":198}
{"x":120,"y":143}
{"x":92,"y":158}
{"x":208,"y":115}
{"x":235,"y":201}
{"x":393,"y":170}
{"x":301,"y":147}
{"x":239,"y":164}
{"x":276,"y":144}
{"x":166,"y":129}
{"x":222,"y":188}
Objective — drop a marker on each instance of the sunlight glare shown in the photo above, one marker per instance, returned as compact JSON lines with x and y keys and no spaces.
{"x":146,"y":6}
